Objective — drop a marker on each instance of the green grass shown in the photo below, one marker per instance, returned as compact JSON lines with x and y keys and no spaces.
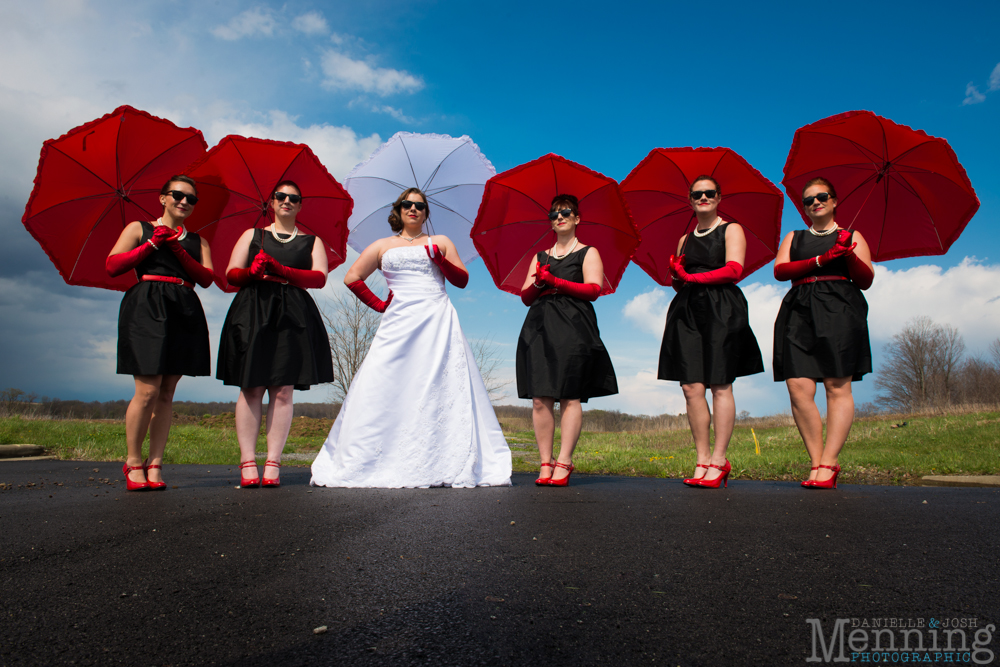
{"x":875,"y":453}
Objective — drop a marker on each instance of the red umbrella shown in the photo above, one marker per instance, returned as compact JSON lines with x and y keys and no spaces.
{"x":97,"y":178}
{"x":513,"y":222}
{"x":657,"y":194}
{"x":904,"y":190}
{"x":235,"y":182}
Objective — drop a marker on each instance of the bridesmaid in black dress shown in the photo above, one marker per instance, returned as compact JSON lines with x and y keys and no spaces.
{"x":274,"y":338}
{"x":162,"y":333}
{"x":560,"y":355}
{"x":821,"y":333}
{"x":707,"y":342}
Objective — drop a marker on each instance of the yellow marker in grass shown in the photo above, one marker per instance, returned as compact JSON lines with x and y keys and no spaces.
{"x":755,"y":443}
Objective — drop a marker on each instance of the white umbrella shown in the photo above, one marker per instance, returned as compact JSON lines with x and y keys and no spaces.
{"x":450,"y":171}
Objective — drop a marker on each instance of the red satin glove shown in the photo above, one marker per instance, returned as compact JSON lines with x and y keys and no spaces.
{"x":304,"y":278}
{"x":729,"y":273}
{"x":239,"y":277}
{"x":162,"y":234}
{"x":455,"y":275}
{"x":128,"y":260}
{"x":585,"y":291}
{"x":534,"y":290}
{"x":675,"y":280}
{"x":193,"y":267}
{"x":367,"y":297}
{"x":793,"y":270}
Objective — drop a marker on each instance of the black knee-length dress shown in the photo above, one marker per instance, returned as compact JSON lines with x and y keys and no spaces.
{"x":822,"y":327}
{"x":707,"y":338}
{"x":274,"y":334}
{"x":559,"y":352}
{"x":161,"y":326}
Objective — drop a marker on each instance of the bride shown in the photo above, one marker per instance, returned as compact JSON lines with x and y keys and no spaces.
{"x":417,"y":413}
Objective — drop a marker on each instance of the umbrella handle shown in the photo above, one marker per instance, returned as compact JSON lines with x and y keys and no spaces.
{"x":430,"y":246}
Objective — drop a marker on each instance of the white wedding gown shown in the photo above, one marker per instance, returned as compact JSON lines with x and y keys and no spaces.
{"x":417,"y":413}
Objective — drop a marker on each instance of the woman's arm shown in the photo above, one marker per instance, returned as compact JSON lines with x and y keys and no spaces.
{"x":593,"y":278}
{"x":366,"y":265}
{"x":736,"y":250}
{"x":238,"y":273}
{"x":443,"y":253}
{"x":313,"y":278}
{"x":859,"y":263}
{"x":129,"y":250}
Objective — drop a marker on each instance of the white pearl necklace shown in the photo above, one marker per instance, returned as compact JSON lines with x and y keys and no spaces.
{"x":274,"y":233}
{"x":823,"y":233}
{"x":553,"y":254}
{"x":699,"y":234}
{"x":184,"y":231}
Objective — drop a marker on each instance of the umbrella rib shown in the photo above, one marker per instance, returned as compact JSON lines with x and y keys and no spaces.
{"x":81,"y":165}
{"x":253,"y":180}
{"x":146,"y":166}
{"x":409,"y":162}
{"x":96,"y":224}
{"x":523,"y":255}
{"x":439,"y":165}
{"x":904,"y":184}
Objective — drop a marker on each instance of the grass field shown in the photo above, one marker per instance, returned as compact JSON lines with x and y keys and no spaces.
{"x":879,"y":450}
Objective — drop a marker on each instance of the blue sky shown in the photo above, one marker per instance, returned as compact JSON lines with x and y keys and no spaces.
{"x":600,"y":84}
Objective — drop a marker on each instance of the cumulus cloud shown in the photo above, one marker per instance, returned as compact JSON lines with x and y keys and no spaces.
{"x":995,"y":78}
{"x":254,"y":21}
{"x":972,"y":95}
{"x":344,"y":73}
{"x":648,"y":311}
{"x":311,"y":23}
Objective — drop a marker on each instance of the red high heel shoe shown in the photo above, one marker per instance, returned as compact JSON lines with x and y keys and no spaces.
{"x":129,"y":484}
{"x":271,"y":483}
{"x":809,"y":482}
{"x":721,"y":479}
{"x":249,"y":483}
{"x":827,"y":484}
{"x":693,"y":481}
{"x":565,"y":480}
{"x":153,"y":486}
{"x":544,"y":481}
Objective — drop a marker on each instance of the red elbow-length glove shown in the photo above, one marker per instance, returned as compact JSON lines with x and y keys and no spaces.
{"x":304,"y":278}
{"x":585,"y":291}
{"x":729,"y":273}
{"x":193,"y":267}
{"x":530,"y":293}
{"x":455,"y":275}
{"x":367,"y":297}
{"x":242,"y":277}
{"x":128,"y":260}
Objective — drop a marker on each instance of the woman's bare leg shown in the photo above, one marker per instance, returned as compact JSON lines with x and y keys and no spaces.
{"x":570,"y":424}
{"x":839,"y":418}
{"x":802,"y":392}
{"x":279,"y":421}
{"x":544,"y":422}
{"x":159,"y":424}
{"x":724,"y":418}
{"x":699,"y":419}
{"x":137,"y":418}
{"x":248,"y":415}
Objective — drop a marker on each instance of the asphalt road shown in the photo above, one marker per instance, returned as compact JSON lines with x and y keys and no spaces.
{"x":607,"y":571}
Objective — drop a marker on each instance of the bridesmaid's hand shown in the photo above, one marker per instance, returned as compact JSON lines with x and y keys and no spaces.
{"x":844,"y":237}
{"x":677,"y":267}
{"x":161,"y":234}
{"x":544,"y":276}
{"x":259,"y":265}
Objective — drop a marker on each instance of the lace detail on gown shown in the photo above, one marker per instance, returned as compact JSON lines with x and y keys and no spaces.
{"x":417,"y":413}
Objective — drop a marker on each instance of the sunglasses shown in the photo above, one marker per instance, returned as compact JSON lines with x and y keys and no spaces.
{"x":697,"y":194}
{"x":406,"y":204}
{"x":282,"y":196}
{"x":822,"y":196}
{"x":178,"y":195}
{"x":564,"y":212}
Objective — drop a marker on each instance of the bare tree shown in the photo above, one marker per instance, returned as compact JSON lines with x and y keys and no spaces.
{"x":351,"y":326}
{"x":487,"y":354}
{"x":920,"y":369}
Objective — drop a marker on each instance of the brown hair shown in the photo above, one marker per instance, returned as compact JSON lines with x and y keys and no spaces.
{"x":179,"y":178}
{"x":705,"y":177}
{"x":819,"y":180}
{"x":395,"y":219}
{"x":573,"y":202}
{"x":284,"y":183}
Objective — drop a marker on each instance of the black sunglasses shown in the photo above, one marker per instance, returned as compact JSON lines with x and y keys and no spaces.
{"x":565,"y":212}
{"x":178,"y":195}
{"x":697,"y":194}
{"x":406,"y":204}
{"x":822,"y":196}
{"x":281,"y":196}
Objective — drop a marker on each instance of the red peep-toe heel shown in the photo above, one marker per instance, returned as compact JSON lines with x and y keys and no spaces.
{"x":249,"y":483}
{"x":721,"y":479}
{"x":270,"y":483}
{"x":693,"y":481}
{"x":129,"y":484}
{"x":809,"y":482}
{"x":826,"y":484}
{"x":153,"y":486}
{"x":565,"y":480}
{"x":544,"y":481}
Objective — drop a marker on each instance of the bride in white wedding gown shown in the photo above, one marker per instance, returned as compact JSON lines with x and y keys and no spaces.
{"x":417,"y":413}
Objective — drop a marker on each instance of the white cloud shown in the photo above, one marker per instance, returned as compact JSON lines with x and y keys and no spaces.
{"x":995,"y":78}
{"x":648,"y":311}
{"x":345,"y":73}
{"x":255,"y":21}
{"x":394,"y":112}
{"x":972,"y":95}
{"x":643,"y":394}
{"x":311,"y":23}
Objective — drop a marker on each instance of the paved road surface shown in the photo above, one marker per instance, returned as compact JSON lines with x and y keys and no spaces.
{"x":608,"y":571}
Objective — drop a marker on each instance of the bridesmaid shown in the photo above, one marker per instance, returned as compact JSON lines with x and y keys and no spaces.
{"x":560,"y":355}
{"x":274,"y":338}
{"x":821,"y":333}
{"x":707,"y":342}
{"x":162,"y":333}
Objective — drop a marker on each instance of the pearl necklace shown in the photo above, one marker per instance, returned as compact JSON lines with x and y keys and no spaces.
{"x":184,"y":231}
{"x":274,"y":233}
{"x":409,"y":240}
{"x":699,"y":233}
{"x":553,"y":254}
{"x":823,"y":233}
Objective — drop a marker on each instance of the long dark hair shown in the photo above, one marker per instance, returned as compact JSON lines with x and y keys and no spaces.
{"x":179,"y":178}
{"x":395,"y":219}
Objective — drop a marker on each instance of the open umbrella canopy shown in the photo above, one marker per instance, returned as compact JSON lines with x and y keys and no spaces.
{"x":904,"y":190}
{"x":96,"y":179}
{"x":513,"y":224}
{"x":451,"y":171}
{"x":235,"y":182}
{"x":657,"y":194}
